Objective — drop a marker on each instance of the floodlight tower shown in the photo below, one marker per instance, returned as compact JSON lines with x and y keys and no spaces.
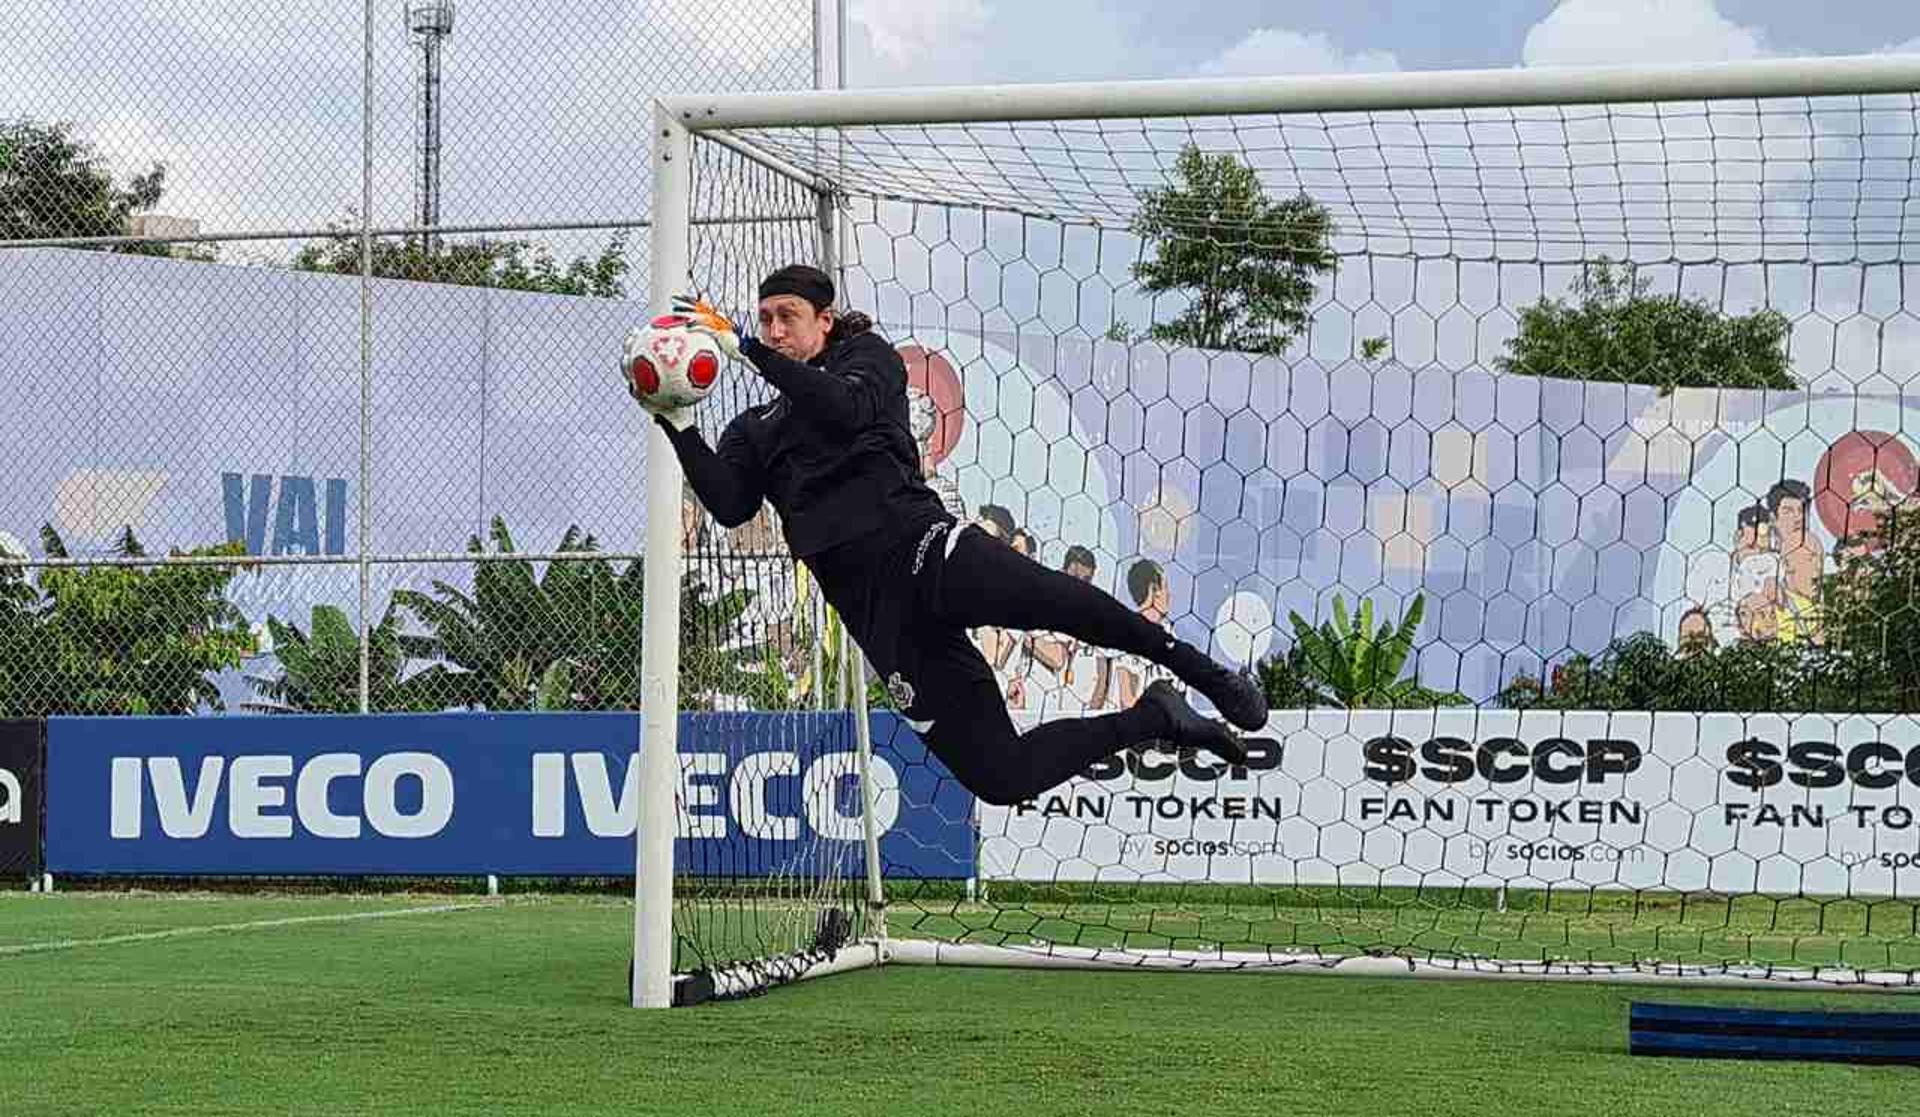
{"x":429,"y":22}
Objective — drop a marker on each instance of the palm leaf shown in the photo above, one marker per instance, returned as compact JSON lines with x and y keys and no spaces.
{"x":555,"y":690}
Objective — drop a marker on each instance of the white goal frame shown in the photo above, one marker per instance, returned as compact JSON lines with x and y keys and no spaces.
{"x":676,"y":123}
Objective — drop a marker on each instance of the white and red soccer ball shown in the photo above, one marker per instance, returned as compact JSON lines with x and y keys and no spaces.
{"x":669,"y":365}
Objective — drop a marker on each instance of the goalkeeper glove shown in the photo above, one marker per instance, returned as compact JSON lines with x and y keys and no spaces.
{"x":732,"y":336}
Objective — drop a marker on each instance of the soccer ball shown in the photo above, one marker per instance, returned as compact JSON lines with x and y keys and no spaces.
{"x":669,"y":365}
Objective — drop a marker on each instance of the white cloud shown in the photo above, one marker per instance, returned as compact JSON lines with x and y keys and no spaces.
{"x":1613,"y":32}
{"x":257,"y":116}
{"x":906,"y":35}
{"x":1275,"y":51}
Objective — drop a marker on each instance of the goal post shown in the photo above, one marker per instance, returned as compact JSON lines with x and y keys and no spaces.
{"x":1388,"y":419}
{"x":668,"y":259}
{"x":774,"y":904}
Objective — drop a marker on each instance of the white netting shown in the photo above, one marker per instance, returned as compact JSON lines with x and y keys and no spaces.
{"x":1419,"y":436}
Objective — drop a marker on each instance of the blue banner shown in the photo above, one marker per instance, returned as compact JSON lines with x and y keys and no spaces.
{"x":514,"y":794}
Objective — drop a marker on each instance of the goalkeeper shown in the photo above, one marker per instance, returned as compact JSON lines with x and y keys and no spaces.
{"x":835,"y":456}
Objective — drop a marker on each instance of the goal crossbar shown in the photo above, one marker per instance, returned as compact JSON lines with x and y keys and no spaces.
{"x":1408,"y":90}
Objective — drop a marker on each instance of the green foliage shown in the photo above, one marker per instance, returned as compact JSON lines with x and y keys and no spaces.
{"x":120,"y":639}
{"x":1347,"y":663}
{"x":1640,"y":672}
{"x":1868,"y":660}
{"x":714,"y":660}
{"x":515,"y":265}
{"x":54,"y":186}
{"x":1287,"y":682}
{"x":1618,"y":332}
{"x":19,"y":645}
{"x":1871,"y":618}
{"x":1247,"y":260}
{"x":320,"y":669}
{"x":508,"y":635}
{"x":570,"y":638}
{"x":774,"y":687}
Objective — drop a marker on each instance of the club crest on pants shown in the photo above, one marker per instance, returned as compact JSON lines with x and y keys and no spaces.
{"x":901,"y":690}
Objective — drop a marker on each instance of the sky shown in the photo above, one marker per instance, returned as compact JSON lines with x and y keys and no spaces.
{"x":941,"y":41}
{"x":256,"y":109}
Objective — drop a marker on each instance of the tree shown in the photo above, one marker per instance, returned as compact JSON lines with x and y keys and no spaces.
{"x":1287,"y":681}
{"x":570,"y":638}
{"x":774,"y":687}
{"x":132,"y":639}
{"x":55,"y":186}
{"x":1640,"y":672}
{"x":1346,"y":663}
{"x":1871,"y":613}
{"x":515,"y":265}
{"x":20,"y":650}
{"x":519,"y":635}
{"x":320,"y":669}
{"x":1618,"y":332}
{"x":1247,"y":259}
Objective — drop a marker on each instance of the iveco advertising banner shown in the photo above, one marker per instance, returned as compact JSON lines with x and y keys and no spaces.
{"x":520,"y":794}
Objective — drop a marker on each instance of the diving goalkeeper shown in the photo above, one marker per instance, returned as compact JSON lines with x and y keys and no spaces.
{"x":835,"y":456}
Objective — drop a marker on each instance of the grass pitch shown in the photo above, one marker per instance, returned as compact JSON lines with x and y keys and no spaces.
{"x":196,"y":1004}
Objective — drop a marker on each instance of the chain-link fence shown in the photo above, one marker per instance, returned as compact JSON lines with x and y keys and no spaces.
{"x":311,"y":315}
{"x":228,"y":335}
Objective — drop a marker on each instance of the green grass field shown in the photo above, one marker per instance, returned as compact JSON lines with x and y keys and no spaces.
{"x":141,"y":1004}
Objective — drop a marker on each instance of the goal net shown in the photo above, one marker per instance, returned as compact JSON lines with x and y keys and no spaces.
{"x":1538,"y":439}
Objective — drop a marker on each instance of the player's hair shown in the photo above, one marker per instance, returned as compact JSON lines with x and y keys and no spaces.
{"x":850,"y":324}
{"x":1000,"y":518}
{"x":1142,"y":576}
{"x":1753,"y":515}
{"x":1079,"y":556}
{"x":816,"y":286}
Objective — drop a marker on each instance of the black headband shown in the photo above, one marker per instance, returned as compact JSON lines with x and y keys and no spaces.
{"x":807,"y":283}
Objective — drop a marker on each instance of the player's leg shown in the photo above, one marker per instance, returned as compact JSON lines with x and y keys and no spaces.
{"x":984,"y":582}
{"x":956,"y":707}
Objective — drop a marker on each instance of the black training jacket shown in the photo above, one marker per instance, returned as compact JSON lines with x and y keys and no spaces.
{"x":834,"y":453}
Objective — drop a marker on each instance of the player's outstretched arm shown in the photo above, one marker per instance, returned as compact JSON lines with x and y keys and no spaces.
{"x":847,"y":398}
{"x":730,"y":482}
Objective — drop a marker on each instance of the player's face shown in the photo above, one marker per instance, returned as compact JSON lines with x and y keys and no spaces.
{"x":1792,"y":517}
{"x":1084,"y":573}
{"x":792,"y":327}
